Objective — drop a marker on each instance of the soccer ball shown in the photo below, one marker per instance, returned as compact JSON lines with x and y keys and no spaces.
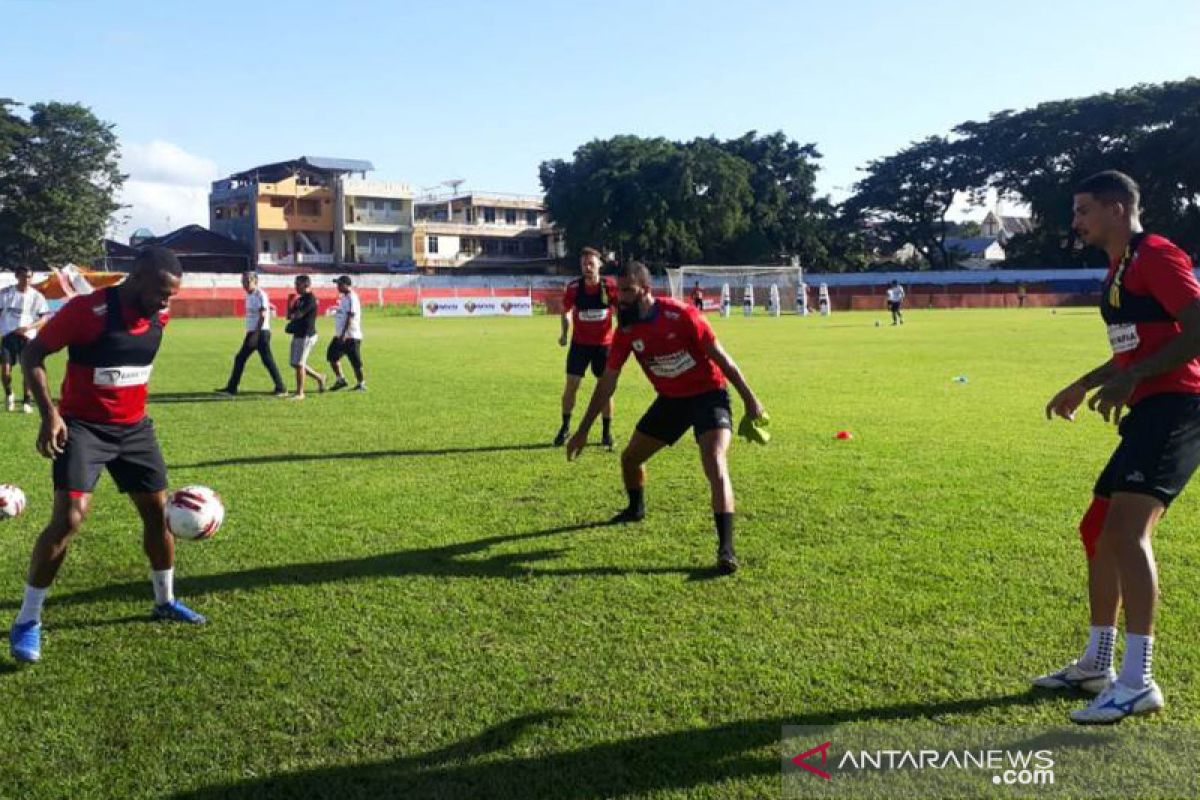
{"x":194,"y":512}
{"x":12,"y":501}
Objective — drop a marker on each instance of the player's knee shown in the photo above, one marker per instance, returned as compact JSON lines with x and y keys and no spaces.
{"x":1092,"y":525}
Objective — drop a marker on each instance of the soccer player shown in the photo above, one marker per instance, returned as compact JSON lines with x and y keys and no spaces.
{"x":698,"y":296}
{"x":258,"y":337}
{"x":688,"y":368}
{"x":23,"y":310}
{"x":347,"y":336}
{"x":111,"y":337}
{"x":895,"y":297}
{"x":589,"y":303}
{"x":1151,"y":303}
{"x":302,"y":325}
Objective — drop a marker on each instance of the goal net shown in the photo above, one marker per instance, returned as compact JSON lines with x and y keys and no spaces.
{"x":752,"y":282}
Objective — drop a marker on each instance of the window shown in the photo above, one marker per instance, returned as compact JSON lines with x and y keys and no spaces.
{"x":360,"y":202}
{"x":470,"y":216}
{"x":512,"y":247}
{"x":431,"y":244}
{"x":393,"y":205}
{"x":308,"y":208}
{"x":489,"y":215}
{"x":219,"y":213}
{"x":380,"y":205}
{"x":278,"y":202}
{"x":266,"y":245}
{"x":468,"y":246}
{"x":531,"y":218}
{"x":510,"y":216}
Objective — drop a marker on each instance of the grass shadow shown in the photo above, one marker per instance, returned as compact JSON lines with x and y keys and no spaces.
{"x":291,"y":458}
{"x":680,"y":761}
{"x":446,"y":561}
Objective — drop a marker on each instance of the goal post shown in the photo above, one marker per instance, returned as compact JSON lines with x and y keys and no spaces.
{"x":755,"y":280}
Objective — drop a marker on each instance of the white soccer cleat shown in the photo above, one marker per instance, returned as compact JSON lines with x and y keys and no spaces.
{"x":1118,"y":702}
{"x":26,"y":408}
{"x":1072,"y":677}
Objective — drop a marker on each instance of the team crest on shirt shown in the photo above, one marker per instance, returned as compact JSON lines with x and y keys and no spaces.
{"x":639,"y":345}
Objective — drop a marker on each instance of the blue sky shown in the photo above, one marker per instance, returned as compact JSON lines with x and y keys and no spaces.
{"x":485,"y":91}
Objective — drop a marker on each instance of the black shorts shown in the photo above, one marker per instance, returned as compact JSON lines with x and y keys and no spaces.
{"x":349,"y":348}
{"x":129,"y":451}
{"x":893,"y":306}
{"x":1159,"y":449}
{"x":581,"y":356}
{"x":10,"y":349}
{"x":668,"y":418}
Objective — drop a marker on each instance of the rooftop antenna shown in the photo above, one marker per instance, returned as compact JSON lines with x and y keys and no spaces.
{"x":454,"y":183}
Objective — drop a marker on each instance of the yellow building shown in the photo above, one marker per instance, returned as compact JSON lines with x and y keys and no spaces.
{"x":290,"y":212}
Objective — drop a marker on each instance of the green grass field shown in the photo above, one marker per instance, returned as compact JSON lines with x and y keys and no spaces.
{"x":412,"y":595}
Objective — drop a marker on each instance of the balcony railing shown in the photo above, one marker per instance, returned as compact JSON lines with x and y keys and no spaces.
{"x":295,"y":259}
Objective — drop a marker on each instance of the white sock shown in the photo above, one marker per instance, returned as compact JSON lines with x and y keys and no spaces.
{"x":1135,"y":667}
{"x":164,"y":585}
{"x":1099,"y":654}
{"x":31,"y":606}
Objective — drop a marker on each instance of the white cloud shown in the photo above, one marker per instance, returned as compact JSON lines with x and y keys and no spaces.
{"x":167,"y":187}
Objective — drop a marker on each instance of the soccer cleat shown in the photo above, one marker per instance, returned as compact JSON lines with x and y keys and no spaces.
{"x":297,"y":397}
{"x":340,"y":383}
{"x":1119,"y":701}
{"x":362,"y":387}
{"x":25,"y":642}
{"x":281,"y":393}
{"x":176,"y":611}
{"x":727,"y":562}
{"x":1075,"y":678}
{"x":560,"y":438}
{"x":628,"y":515}
{"x":26,"y":408}
{"x":225,"y":391}
{"x":606,"y":441}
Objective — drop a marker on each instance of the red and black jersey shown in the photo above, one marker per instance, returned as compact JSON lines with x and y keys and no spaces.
{"x":592,"y":309}
{"x":1143,"y":293}
{"x":110,"y":353}
{"x":672,"y":348}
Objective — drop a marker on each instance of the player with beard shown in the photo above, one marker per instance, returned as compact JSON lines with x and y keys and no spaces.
{"x":688,"y":368}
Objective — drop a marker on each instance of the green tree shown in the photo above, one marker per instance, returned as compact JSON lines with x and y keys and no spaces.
{"x":904,"y":198}
{"x":58,"y":192}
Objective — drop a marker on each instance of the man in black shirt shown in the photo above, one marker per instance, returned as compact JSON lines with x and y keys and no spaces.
{"x":302,"y":325}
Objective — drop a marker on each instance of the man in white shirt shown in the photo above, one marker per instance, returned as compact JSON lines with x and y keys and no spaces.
{"x":23,"y":310}
{"x":895,"y":296}
{"x":347,"y":336}
{"x":258,"y":337}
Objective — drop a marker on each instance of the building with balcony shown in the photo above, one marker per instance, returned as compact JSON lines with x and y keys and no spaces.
{"x":489,"y":230}
{"x":376,"y":222}
{"x":289,"y":213}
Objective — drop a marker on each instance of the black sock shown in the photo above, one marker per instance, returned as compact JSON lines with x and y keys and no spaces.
{"x":607,"y":423}
{"x":566,"y":426}
{"x":724,"y":522}
{"x":637,"y":499}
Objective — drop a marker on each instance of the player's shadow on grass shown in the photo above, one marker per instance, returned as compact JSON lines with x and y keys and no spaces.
{"x":204,"y":397}
{"x":292,"y":458}
{"x":680,"y":761}
{"x":456,"y":560}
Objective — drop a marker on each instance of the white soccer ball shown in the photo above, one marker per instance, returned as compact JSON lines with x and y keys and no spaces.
{"x":194,"y":512}
{"x":12,"y":501}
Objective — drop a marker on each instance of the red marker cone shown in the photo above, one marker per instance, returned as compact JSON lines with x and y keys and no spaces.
{"x":844,"y":435}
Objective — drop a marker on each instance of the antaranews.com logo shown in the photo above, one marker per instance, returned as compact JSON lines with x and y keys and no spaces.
{"x":922,"y":759}
{"x":1008,"y":767}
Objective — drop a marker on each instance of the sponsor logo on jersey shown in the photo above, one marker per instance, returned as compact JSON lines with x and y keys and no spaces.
{"x":120,"y":377}
{"x":671,"y":365}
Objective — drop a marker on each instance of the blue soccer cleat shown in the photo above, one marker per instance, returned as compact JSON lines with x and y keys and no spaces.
{"x":175,"y":611}
{"x":25,"y":642}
